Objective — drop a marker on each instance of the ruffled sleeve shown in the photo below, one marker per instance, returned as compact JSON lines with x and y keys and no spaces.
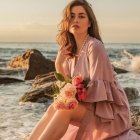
{"x":102,"y":88}
{"x":99,"y":64}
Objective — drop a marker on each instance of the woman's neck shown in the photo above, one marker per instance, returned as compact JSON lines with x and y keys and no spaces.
{"x":80,"y":40}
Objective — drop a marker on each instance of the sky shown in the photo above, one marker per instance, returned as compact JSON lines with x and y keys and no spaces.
{"x":37,"y":20}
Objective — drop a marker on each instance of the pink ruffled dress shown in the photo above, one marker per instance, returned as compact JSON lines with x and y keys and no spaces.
{"x":108,"y":116}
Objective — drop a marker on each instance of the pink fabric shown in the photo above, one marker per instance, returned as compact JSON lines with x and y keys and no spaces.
{"x":108,"y":115}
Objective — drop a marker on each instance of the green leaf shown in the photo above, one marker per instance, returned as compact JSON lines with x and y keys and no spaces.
{"x":68,"y":80}
{"x":85,"y":82}
{"x":59,"y":77}
{"x":55,"y":89}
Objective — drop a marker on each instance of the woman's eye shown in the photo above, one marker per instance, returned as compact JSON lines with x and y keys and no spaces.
{"x":72,"y":16}
{"x":81,"y":17}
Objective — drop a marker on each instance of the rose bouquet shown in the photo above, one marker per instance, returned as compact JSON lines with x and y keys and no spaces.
{"x":68,"y":92}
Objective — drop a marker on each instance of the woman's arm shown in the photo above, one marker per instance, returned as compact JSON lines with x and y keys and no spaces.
{"x":60,"y":59}
{"x":59,"y":63}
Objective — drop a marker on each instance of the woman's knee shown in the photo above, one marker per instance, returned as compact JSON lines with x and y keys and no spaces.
{"x":79,"y":112}
{"x":74,"y":114}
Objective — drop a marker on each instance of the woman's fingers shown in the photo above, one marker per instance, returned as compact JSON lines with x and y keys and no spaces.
{"x":64,"y":51}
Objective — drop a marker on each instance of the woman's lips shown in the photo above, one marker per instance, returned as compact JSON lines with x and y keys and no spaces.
{"x":76,"y":26}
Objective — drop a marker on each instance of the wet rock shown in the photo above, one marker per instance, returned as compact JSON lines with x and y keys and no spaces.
{"x":33,"y":62}
{"x":119,"y":70}
{"x":8,"y":80}
{"x":38,"y":65}
{"x":132,"y":93}
{"x":21,"y":61}
{"x":40,"y":95}
{"x":41,"y":89}
{"x":137,"y":129}
{"x":42,"y":79}
{"x":135,"y":117}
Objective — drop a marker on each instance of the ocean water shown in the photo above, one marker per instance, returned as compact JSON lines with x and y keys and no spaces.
{"x":17,"y":120}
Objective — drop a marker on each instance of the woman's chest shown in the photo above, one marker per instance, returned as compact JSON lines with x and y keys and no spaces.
{"x":80,"y":66}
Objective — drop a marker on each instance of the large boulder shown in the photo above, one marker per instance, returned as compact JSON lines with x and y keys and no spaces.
{"x":33,"y":62}
{"x":38,"y":65}
{"x":21,"y":61}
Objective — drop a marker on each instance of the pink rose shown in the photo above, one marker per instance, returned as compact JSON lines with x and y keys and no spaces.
{"x":71,"y":103}
{"x":80,"y":85}
{"x":68,"y":90}
{"x":59,"y":104}
{"x":77,"y":80}
{"x":69,"y":93}
{"x":79,"y":91}
{"x":84,"y":90}
{"x":82,"y":96}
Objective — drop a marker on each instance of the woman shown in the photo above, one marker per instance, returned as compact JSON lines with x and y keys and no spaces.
{"x":104,"y":114}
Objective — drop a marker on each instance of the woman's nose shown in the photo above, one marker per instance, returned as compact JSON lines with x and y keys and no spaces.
{"x":76,"y":19}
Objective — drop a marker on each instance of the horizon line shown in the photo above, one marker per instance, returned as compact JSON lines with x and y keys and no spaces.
{"x":39,"y":42}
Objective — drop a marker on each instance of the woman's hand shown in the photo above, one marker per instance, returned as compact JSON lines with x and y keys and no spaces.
{"x":61,"y":56}
{"x":60,"y":59}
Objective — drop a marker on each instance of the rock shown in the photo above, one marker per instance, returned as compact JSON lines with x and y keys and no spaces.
{"x":38,"y":95}
{"x":42,"y":79}
{"x":135,"y":117}
{"x":26,"y":137}
{"x":137,"y":129}
{"x":33,"y":62}
{"x":21,"y":61}
{"x":7,"y":80}
{"x":38,"y":65}
{"x":119,"y":70}
{"x":41,"y":89}
{"x":18,"y":62}
{"x":132,"y":93}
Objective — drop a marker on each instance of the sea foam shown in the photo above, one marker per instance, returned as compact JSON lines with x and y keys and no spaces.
{"x":135,"y":64}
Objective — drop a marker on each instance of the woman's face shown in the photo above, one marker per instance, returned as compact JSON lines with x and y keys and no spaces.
{"x":79,"y":21}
